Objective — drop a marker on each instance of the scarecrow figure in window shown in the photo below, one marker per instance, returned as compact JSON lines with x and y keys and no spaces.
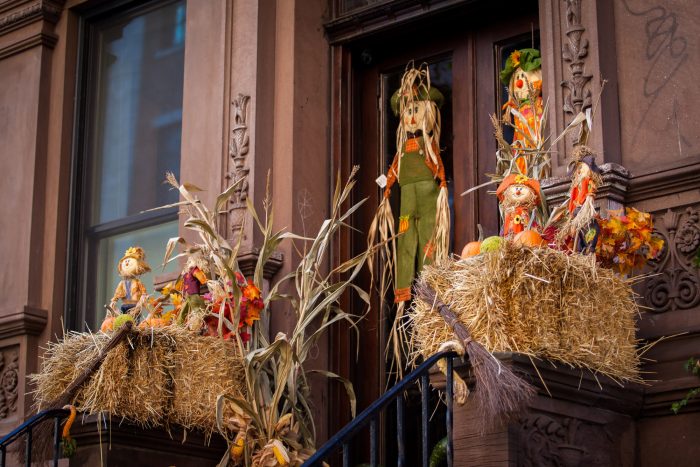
{"x":130,"y":289}
{"x":575,"y":224}
{"x":522,"y":75}
{"x":418,"y":169}
{"x":518,"y":197}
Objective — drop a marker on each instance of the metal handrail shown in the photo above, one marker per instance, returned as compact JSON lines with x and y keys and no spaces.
{"x":26,"y":429}
{"x":371,"y":414}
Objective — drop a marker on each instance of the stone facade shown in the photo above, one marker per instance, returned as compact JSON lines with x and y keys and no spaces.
{"x":274,"y":85}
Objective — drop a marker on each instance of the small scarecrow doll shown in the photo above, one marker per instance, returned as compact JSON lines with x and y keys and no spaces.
{"x":575,"y":223}
{"x":130,"y":289}
{"x":194,"y":276}
{"x":417,"y":167}
{"x":522,"y":75}
{"x":518,"y":197}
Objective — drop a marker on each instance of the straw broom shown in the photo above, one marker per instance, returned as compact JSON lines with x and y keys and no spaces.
{"x":499,"y":393}
{"x":43,"y":434}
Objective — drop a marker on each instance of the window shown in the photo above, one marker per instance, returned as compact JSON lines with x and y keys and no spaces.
{"x":129,"y":123}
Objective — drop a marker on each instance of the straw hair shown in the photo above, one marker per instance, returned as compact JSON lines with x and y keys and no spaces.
{"x":416,"y":82}
{"x":441,"y":234}
{"x":540,"y":302}
{"x":157,"y":377}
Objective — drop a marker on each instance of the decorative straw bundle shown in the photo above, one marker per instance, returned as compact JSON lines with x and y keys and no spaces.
{"x":155,"y":378}
{"x":540,"y":302}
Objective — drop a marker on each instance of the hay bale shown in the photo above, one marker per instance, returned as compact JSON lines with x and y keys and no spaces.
{"x":540,"y":302}
{"x":155,"y":378}
{"x":203,"y":369}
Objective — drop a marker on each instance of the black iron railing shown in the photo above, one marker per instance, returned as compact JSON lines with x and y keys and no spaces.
{"x":26,"y":430}
{"x":341,"y":440}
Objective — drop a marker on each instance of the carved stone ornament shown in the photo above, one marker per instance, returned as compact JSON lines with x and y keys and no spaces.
{"x":578,"y":98}
{"x":9,"y":381}
{"x":676,"y":284}
{"x":42,"y":9}
{"x":238,"y":154}
{"x":560,"y":441}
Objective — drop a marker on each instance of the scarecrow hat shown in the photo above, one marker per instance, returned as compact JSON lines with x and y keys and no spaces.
{"x":518,"y":179}
{"x":585,"y":155}
{"x":526,"y":59}
{"x":137,"y":253}
{"x":420,"y":93}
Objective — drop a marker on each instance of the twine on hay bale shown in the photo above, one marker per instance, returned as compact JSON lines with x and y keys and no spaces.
{"x":156,"y":378}
{"x":539,"y":302}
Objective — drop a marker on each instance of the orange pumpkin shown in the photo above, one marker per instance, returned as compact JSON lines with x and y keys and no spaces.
{"x":152,"y":322}
{"x":107,"y":324}
{"x":530,"y":238}
{"x":471,"y":249}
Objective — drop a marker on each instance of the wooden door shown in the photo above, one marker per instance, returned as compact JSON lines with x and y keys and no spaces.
{"x":464,"y":52}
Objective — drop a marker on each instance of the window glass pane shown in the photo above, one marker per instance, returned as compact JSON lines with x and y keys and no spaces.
{"x":135,"y":131}
{"x":111,"y":249}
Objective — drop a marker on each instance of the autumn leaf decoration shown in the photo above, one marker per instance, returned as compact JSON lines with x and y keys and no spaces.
{"x":627,"y":241}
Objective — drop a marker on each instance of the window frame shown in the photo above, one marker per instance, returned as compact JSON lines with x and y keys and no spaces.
{"x":83,"y":238}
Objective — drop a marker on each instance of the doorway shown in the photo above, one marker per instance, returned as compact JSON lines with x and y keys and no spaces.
{"x":464,"y":51}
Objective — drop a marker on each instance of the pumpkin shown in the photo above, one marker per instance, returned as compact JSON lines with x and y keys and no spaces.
{"x":153,"y":322}
{"x":107,"y":324}
{"x":471,"y":249}
{"x":529,"y":238}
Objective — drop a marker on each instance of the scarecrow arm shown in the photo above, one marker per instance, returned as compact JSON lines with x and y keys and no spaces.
{"x":199,"y":275}
{"x":441,"y":167}
{"x":391,"y":175}
{"x":119,"y":293}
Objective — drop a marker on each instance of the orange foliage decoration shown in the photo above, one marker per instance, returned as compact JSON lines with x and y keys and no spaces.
{"x":626,"y":241}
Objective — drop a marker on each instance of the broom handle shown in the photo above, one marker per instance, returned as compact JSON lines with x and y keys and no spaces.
{"x":428,"y":295}
{"x":67,"y":394}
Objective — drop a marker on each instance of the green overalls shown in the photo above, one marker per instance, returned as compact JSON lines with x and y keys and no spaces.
{"x":419,"y":193}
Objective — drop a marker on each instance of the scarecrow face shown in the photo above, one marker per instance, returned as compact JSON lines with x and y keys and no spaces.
{"x":582,"y":171}
{"x":518,"y":83}
{"x":518,"y":195}
{"x":128,"y":267}
{"x":414,"y":113}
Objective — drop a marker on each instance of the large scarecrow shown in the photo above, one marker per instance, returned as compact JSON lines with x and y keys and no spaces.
{"x":418,"y":169}
{"x":424,"y":218}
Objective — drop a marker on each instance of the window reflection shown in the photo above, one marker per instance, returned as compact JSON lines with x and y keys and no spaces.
{"x":134,"y":69}
{"x":138,"y":112}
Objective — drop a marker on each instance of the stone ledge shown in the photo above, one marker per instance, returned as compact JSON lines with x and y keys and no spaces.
{"x":248,"y":259}
{"x":42,"y":10}
{"x":567,"y":384}
{"x":31,"y":321}
{"x":125,"y":444}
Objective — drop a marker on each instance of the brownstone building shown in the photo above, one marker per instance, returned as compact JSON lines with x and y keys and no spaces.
{"x":98,"y":98}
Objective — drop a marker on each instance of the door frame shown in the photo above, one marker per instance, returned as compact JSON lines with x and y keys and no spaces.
{"x":466,"y":36}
